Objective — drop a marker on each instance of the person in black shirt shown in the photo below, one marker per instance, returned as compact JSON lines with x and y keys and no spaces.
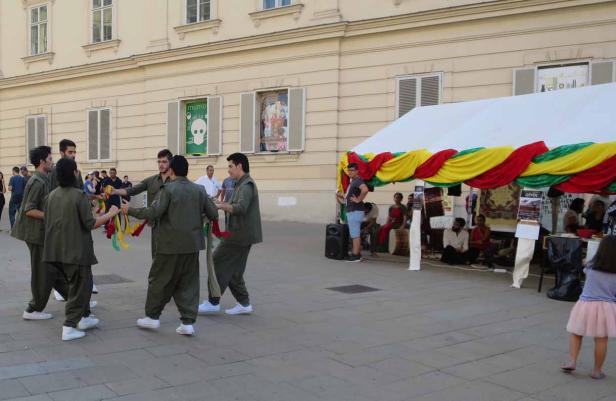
{"x":116,"y":183}
{"x":126,"y":184}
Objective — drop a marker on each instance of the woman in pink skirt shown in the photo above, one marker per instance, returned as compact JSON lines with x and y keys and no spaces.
{"x":594,"y":314}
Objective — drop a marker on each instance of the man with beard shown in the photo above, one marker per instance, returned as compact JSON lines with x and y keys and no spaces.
{"x":67,"y":149}
{"x":151,"y":186}
{"x":30,"y":227}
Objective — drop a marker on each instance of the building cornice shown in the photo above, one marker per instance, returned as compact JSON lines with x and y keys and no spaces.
{"x":490,"y":9}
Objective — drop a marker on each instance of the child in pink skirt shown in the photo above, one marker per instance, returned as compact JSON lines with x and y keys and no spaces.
{"x":594,"y":314}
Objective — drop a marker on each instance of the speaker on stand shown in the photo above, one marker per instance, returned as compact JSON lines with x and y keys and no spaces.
{"x":336,"y":241}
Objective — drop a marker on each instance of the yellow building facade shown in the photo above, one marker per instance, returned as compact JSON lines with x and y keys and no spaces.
{"x":292,"y":83}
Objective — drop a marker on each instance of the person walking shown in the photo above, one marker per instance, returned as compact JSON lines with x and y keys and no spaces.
{"x":178,"y":213}
{"x":17,"y":184}
{"x":2,"y":192}
{"x":594,"y":314}
{"x":231,"y":255}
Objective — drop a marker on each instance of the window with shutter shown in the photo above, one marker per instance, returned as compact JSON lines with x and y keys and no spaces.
{"x":99,"y":134}
{"x":280,"y":120}
{"x":523,"y":81}
{"x":41,"y":131}
{"x":415,"y":91}
{"x":30,"y":134}
{"x":214,"y":125}
{"x":36,"y":132}
{"x":173,"y":127}
{"x":602,"y":72}
{"x":296,"y":125}
{"x":247,"y":122}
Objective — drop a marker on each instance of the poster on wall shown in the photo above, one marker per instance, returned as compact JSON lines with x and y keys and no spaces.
{"x":196,"y":128}
{"x":418,"y":196}
{"x":562,"y":77}
{"x":530,"y":205}
{"x":274,"y":123}
{"x":500,"y":207}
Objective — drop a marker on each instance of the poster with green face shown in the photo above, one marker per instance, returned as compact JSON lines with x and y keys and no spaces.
{"x":196,"y":128}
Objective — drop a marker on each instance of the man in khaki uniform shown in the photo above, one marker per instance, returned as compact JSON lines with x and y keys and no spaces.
{"x":30,"y":227}
{"x":152,"y":185}
{"x":245,"y":226}
{"x":69,"y":246}
{"x":178,"y":230}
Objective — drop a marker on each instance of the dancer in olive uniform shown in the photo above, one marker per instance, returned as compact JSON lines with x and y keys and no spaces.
{"x":152,"y":185}
{"x":67,"y":149}
{"x":178,"y":211}
{"x":30,"y":227}
{"x":245,"y":226}
{"x":69,"y":246}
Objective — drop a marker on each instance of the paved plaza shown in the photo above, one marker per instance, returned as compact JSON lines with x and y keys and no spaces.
{"x":436,"y":335}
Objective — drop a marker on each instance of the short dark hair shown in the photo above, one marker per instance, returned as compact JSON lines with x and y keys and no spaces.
{"x":480,"y":216}
{"x":239,"y":158}
{"x":97,"y":173}
{"x":398,"y":194}
{"x":103,"y":171}
{"x":352,"y":165}
{"x":605,"y":258}
{"x":165,"y":153}
{"x":65,"y":170}
{"x":179,"y":165}
{"x":125,"y":176}
{"x":16,"y":169}
{"x":461,"y":221}
{"x":39,"y":154}
{"x":577,"y":205}
{"x":65,"y":143}
{"x":114,"y":169}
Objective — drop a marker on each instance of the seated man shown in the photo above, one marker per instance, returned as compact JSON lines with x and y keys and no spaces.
{"x":480,"y":241}
{"x":369,"y":227}
{"x":455,"y":243}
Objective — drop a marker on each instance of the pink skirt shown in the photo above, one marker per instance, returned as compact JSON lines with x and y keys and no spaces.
{"x":593,"y":319}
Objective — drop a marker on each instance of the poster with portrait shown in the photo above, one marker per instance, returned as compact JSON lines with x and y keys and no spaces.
{"x":196,"y":128}
{"x":530,"y":205}
{"x":274,"y":124}
{"x":562,"y":77}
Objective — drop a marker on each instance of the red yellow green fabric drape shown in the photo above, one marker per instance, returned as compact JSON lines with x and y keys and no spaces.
{"x":583,"y":167}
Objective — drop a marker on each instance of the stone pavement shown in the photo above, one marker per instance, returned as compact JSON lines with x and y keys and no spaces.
{"x":436,"y":335}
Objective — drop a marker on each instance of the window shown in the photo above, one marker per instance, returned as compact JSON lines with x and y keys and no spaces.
{"x":547,"y":78}
{"x":102,"y":20}
{"x":556,"y":77}
{"x":99,"y":134}
{"x":272,"y":121}
{"x":36,"y":132}
{"x":194,"y":126}
{"x":197,"y":11}
{"x":267,"y":4}
{"x":38,"y":30}
{"x":416,"y":91}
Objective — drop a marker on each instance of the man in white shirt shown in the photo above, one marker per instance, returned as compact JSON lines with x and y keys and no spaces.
{"x":455,"y":243}
{"x":210,"y":183}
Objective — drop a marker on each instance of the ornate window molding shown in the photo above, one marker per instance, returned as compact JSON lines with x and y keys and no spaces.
{"x":38,"y":57}
{"x":108,"y":44}
{"x":212,"y":25}
{"x":295,"y":10}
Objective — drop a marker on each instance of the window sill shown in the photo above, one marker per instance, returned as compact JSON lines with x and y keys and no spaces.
{"x":258,"y":16}
{"x":212,"y":25}
{"x":38,"y":57}
{"x":267,"y":157}
{"x":108,"y":44}
{"x":204,"y":158}
{"x":27,"y":3}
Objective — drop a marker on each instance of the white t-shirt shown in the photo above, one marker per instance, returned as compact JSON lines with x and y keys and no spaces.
{"x":211,"y":185}
{"x":457,"y":240}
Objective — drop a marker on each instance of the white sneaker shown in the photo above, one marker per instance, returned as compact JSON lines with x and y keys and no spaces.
{"x":93,"y":304}
{"x":186,"y":330}
{"x":70,"y":333}
{"x":86,"y":323}
{"x":58,"y":297}
{"x":94,"y":289}
{"x":239,"y":310}
{"x":147,"y":323}
{"x":36,"y":316}
{"x":207,"y":307}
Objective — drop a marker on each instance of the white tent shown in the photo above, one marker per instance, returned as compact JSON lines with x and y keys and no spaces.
{"x":562,"y":117}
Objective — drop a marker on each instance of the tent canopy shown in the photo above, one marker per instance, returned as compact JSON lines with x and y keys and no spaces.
{"x":563,"y":139}
{"x":558,"y":118}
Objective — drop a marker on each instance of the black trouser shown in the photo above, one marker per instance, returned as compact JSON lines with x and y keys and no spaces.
{"x":473,"y":255}
{"x":79,"y":280}
{"x":13,"y":208}
{"x":230,"y":264}
{"x":44,"y":278}
{"x":453,"y":257}
{"x":2,"y":203}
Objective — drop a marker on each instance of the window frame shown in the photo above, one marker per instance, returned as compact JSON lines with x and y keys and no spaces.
{"x":418,"y":89}
{"x":257,"y":120}
{"x":277,"y":4}
{"x":30,"y":24}
{"x":185,"y":13}
{"x":113,"y":22}
{"x":98,"y":110}
{"x":35,"y":117}
{"x":565,"y":63}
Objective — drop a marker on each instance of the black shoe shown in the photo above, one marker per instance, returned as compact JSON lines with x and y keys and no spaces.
{"x":353,"y":258}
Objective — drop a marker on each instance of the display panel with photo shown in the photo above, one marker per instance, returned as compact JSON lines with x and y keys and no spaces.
{"x":552,"y":78}
{"x":274,"y":109}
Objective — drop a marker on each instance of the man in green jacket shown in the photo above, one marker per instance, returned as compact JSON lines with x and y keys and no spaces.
{"x":151,"y":185}
{"x":245,"y":226}
{"x":67,"y":149}
{"x":178,"y":215}
{"x":69,"y":247}
{"x":30,"y":228}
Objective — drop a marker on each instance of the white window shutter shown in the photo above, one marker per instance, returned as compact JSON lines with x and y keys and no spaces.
{"x":247,"y":122}
{"x":105,"y":134}
{"x":173,"y":127}
{"x":407,"y":95}
{"x":93,"y":135}
{"x":523,"y":81}
{"x":602,"y":72}
{"x":296,"y":119}
{"x":214,"y":125}
{"x":30,"y":135}
{"x":41,"y":131}
{"x":430,"y":91}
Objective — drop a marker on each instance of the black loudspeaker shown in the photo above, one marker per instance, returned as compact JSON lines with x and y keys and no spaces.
{"x":336,"y":241}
